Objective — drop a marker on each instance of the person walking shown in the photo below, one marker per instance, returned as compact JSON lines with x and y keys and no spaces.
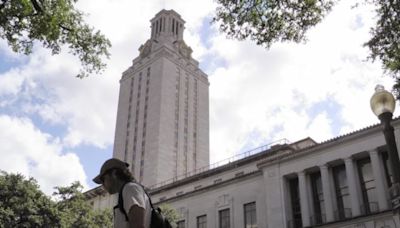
{"x":134,"y":208}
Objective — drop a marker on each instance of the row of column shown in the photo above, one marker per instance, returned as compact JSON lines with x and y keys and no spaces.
{"x":352,"y":181}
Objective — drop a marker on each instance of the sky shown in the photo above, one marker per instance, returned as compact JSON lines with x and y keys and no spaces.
{"x":60,"y":129}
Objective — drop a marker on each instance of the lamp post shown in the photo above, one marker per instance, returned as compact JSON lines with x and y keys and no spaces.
{"x":383,"y":105}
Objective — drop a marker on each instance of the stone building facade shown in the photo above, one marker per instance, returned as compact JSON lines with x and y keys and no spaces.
{"x":342,"y":182}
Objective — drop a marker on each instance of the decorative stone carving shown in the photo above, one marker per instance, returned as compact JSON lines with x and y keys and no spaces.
{"x":145,"y":49}
{"x":223,"y":200}
{"x":183,"y":49}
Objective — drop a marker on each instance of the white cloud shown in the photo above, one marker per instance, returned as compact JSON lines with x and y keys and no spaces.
{"x":10,"y":82}
{"x":27,"y":150}
{"x":45,"y":87}
{"x":272,"y":91}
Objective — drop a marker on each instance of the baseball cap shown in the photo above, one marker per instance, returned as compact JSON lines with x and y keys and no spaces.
{"x":112,"y":163}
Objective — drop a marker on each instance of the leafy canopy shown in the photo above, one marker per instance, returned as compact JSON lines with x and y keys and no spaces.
{"x":53,"y":23}
{"x":24,"y":205}
{"x":270,"y":21}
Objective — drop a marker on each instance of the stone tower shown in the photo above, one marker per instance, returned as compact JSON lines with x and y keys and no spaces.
{"x":162,"y":127}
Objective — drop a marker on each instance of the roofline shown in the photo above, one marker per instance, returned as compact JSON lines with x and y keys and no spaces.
{"x":171,"y":11}
{"x":328,"y":143}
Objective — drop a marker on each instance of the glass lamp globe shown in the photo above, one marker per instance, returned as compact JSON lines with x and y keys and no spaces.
{"x":382,"y":101}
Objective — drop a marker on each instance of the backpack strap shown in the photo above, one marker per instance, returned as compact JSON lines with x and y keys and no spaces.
{"x":120,"y":204}
{"x":157,"y":218}
{"x":160,"y":222}
{"x":144,"y":190}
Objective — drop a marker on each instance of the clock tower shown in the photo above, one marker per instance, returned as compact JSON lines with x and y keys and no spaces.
{"x":162,"y":127}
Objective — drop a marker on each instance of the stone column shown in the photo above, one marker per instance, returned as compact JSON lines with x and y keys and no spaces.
{"x":326,"y":188}
{"x":379,"y":180}
{"x":305,"y":209}
{"x":352,"y":181}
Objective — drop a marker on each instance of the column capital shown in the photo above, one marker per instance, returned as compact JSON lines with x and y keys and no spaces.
{"x":301,"y":173}
{"x":324,"y":166}
{"x":373,"y":152}
{"x":348,"y":159}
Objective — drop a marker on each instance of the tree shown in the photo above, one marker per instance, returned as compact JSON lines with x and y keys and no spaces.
{"x":270,"y":21}
{"x":53,"y":23}
{"x":170,"y":213}
{"x":22,"y":204}
{"x":76,"y":211}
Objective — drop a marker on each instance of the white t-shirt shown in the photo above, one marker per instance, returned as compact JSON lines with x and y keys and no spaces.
{"x":133,"y":194}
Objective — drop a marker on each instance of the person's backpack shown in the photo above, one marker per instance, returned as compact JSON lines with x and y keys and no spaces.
{"x":157,"y":219}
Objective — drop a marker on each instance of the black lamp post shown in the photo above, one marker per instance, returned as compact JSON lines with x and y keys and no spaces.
{"x":383,"y":105}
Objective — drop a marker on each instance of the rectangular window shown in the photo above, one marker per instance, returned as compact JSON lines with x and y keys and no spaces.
{"x":224,"y":218}
{"x":296,"y":221}
{"x":367,"y":181}
{"x":318,"y":199}
{"x":180,"y":224}
{"x":250,"y":217}
{"x":342,"y":192}
{"x":202,"y":221}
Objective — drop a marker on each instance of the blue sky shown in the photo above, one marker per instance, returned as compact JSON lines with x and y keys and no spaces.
{"x":59,"y":129}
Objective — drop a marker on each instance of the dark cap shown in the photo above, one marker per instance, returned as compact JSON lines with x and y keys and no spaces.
{"x":108,"y":165}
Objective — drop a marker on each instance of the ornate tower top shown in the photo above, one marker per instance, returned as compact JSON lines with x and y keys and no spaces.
{"x":167,"y":30}
{"x":167,"y":25}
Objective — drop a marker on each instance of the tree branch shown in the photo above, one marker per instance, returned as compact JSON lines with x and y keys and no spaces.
{"x":3,"y":4}
{"x":65,"y":28}
{"x":36,"y":5}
